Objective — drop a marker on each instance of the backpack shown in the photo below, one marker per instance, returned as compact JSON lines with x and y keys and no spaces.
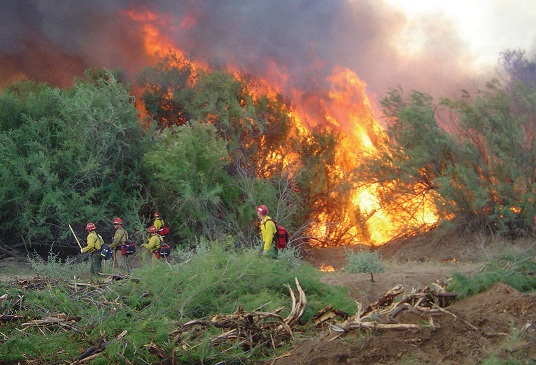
{"x":163,"y":231}
{"x":281,"y":236}
{"x":164,"y":250}
{"x":106,"y":252}
{"x":103,"y":248}
{"x":128,"y":248}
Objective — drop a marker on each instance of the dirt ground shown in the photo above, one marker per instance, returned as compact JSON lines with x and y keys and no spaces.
{"x":500,"y":322}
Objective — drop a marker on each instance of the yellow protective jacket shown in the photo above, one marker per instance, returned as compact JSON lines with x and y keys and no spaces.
{"x":120,"y":237}
{"x":158,"y":223}
{"x":94,"y":242}
{"x":268,"y":231}
{"x":154,"y":242}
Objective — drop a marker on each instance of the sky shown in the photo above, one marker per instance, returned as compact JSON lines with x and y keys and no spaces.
{"x":488,"y":27}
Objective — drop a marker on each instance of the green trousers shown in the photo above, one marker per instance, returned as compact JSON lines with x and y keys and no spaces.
{"x":96,"y":263}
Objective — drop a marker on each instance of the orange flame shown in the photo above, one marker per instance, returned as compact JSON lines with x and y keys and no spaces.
{"x":327,"y":268}
{"x":346,"y":108}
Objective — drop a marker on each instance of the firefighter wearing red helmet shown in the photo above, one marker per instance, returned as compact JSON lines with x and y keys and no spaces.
{"x":94,"y":244}
{"x":160,"y":225}
{"x":158,"y":221}
{"x":153,"y":243}
{"x":268,"y":231}
{"x":119,"y":239}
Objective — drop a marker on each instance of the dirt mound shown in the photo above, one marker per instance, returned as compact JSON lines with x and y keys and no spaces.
{"x":472,"y":330}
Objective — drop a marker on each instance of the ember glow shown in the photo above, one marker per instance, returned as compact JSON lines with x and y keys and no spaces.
{"x":327,"y":268}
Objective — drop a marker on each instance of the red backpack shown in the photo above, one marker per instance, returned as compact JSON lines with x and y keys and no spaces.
{"x":281,"y":236}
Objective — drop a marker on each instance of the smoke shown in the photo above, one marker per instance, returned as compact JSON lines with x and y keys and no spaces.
{"x":54,"y":40}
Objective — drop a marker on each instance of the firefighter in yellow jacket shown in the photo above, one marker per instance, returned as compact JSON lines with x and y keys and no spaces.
{"x":268,"y":231}
{"x":154,"y":241}
{"x":118,"y":240}
{"x":94,"y":244}
{"x":158,"y":221}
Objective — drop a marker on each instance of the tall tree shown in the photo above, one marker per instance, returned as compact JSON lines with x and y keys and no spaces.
{"x":73,"y":161}
{"x":166,"y":86}
{"x":481,"y":171}
{"x":185,"y":170}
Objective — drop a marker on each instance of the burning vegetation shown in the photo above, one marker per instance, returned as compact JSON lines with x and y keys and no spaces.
{"x":331,"y":169}
{"x":338,"y":125}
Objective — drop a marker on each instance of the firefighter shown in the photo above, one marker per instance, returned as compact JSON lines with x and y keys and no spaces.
{"x":153,"y":243}
{"x":268,"y":231}
{"x":94,"y":244}
{"x":158,"y":221}
{"x":118,"y":240}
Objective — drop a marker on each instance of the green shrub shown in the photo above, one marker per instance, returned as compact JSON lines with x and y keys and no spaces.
{"x":512,"y":270}
{"x":54,"y":268}
{"x":364,"y":262}
{"x":291,"y":257}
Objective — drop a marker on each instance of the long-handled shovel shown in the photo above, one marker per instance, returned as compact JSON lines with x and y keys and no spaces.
{"x":76,"y":238}
{"x":79,"y":245}
{"x":77,"y":241}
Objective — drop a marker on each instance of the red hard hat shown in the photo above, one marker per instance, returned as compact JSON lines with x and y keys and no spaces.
{"x":90,"y":226}
{"x":534,"y":219}
{"x":152,"y":229}
{"x":262,"y":209}
{"x":118,"y":221}
{"x":156,"y":214}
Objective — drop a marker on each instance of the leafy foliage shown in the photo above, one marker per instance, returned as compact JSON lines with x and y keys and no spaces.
{"x":186,"y":174}
{"x":68,"y":156}
{"x":513,"y":270}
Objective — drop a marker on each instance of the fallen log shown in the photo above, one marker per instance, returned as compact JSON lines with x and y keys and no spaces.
{"x":157,"y":351}
{"x":328,"y":314}
{"x":59,"y":319}
{"x":9,"y":318}
{"x":95,"y":350}
{"x":349,"y":326}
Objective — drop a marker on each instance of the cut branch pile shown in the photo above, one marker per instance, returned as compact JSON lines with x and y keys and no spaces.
{"x":9,"y":318}
{"x":94,"y":351}
{"x":382,"y":313}
{"x":33,"y":284}
{"x":247,"y":329}
{"x":60,"y":319}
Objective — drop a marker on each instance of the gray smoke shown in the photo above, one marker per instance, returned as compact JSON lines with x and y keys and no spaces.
{"x":54,"y":40}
